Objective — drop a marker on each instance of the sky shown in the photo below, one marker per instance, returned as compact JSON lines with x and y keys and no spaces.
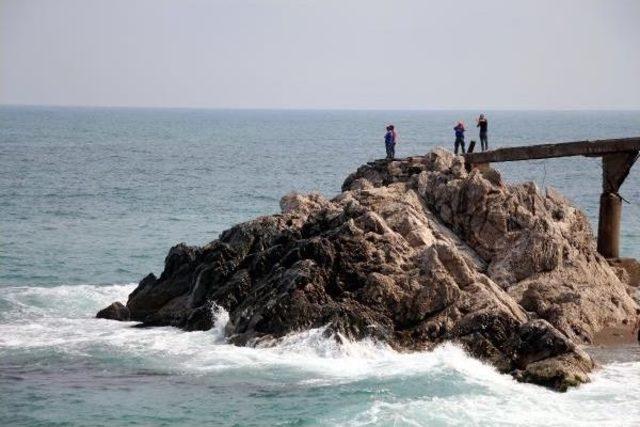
{"x":322,"y":54}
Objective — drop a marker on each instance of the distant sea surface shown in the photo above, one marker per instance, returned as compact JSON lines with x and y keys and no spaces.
{"x":91,"y":199}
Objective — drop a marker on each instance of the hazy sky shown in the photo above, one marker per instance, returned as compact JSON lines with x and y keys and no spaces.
{"x":412,"y":54}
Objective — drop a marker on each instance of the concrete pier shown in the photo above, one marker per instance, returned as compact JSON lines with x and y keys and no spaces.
{"x":609,"y":225}
{"x":618,"y":156}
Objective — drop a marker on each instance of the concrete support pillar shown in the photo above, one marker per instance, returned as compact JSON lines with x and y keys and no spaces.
{"x":609,"y":225}
{"x":615,"y":168}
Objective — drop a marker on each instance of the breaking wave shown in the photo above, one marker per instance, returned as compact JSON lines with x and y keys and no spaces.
{"x":360,"y":383}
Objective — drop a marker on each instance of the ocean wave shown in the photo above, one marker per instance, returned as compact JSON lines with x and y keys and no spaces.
{"x":43,"y":325}
{"x":64,"y":301}
{"x":604,"y":402}
{"x":63,"y":317}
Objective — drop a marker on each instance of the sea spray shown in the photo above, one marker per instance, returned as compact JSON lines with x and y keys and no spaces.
{"x":52,"y":330}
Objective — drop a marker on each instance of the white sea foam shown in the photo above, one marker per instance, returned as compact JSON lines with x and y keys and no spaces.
{"x":610,"y":400}
{"x":444,"y":386}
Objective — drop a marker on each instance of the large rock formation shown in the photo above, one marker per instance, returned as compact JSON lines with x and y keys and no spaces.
{"x":413,"y":253}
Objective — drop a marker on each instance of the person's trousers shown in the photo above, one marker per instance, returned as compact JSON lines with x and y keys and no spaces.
{"x":459,"y":143}
{"x":391,"y":150}
{"x":484,"y":141}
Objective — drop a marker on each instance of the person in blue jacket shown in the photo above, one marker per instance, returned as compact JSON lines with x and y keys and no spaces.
{"x":459,"y":131}
{"x":390,"y":142}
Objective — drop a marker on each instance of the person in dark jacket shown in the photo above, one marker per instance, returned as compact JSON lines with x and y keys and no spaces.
{"x":459,"y":131}
{"x":483,"y":125}
{"x":390,"y":142}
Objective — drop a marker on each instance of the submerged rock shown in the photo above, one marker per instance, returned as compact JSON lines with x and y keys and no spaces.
{"x":413,"y":253}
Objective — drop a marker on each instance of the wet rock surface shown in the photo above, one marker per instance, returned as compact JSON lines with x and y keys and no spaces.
{"x":116,"y":311}
{"x":413,"y":253}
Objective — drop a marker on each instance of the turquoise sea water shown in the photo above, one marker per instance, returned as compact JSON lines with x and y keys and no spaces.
{"x":91,"y":199}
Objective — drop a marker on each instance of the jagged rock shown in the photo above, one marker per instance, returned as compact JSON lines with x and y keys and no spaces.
{"x":413,"y":253}
{"x":115,"y":311}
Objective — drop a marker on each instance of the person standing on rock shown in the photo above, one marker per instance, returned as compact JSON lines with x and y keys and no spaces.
{"x":483,"y":125}
{"x":390,"y":142}
{"x":459,"y":131}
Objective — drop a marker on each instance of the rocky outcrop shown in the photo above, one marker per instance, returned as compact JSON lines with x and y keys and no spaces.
{"x":413,"y":253}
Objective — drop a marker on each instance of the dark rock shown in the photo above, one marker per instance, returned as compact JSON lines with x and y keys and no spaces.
{"x":116,"y":311}
{"x":200,"y":319}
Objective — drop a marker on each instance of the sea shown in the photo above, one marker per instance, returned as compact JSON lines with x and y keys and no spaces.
{"x":91,"y":199}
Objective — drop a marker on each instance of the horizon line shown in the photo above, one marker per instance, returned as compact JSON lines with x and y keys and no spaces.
{"x":143,"y":107}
